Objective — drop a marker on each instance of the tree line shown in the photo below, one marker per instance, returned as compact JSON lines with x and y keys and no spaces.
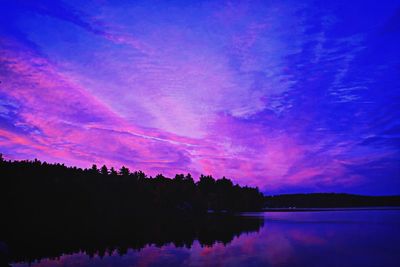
{"x":40,"y":187}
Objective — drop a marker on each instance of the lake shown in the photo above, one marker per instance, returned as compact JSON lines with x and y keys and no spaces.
{"x":320,"y":238}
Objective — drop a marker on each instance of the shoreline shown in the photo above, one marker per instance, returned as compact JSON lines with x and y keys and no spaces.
{"x":329,"y":209}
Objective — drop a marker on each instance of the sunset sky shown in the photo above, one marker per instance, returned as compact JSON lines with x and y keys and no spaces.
{"x":289,"y":96}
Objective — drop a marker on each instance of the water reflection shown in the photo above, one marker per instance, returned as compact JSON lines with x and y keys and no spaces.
{"x":108,"y":238}
{"x":352,"y":238}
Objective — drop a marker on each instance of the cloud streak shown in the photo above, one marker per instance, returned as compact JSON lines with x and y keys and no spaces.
{"x":287,"y":103}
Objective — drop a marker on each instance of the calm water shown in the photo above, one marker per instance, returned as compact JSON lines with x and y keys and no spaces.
{"x":329,"y":238}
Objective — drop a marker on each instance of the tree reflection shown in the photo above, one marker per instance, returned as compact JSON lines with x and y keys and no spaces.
{"x":33,"y":241}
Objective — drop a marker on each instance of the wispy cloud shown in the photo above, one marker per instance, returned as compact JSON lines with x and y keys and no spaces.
{"x":281,"y":95}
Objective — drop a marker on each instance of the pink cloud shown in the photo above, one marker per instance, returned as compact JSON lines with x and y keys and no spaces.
{"x":165,"y":98}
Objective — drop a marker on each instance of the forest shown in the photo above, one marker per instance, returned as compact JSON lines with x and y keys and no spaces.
{"x":35,"y":187}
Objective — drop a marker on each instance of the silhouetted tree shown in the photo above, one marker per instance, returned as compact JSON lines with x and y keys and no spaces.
{"x":140,"y":175}
{"x":189,"y":178}
{"x":104,"y":170}
{"x":124,"y":171}
{"x":159,"y":177}
{"x":113,"y":172}
{"x":179,"y":177}
{"x":94,"y":169}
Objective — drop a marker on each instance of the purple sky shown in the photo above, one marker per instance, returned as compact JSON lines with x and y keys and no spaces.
{"x":289,"y":96}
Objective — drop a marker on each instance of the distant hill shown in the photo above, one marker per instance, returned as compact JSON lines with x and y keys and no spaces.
{"x":330,"y":200}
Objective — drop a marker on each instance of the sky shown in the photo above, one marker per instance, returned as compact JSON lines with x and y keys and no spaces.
{"x":288,"y":96}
